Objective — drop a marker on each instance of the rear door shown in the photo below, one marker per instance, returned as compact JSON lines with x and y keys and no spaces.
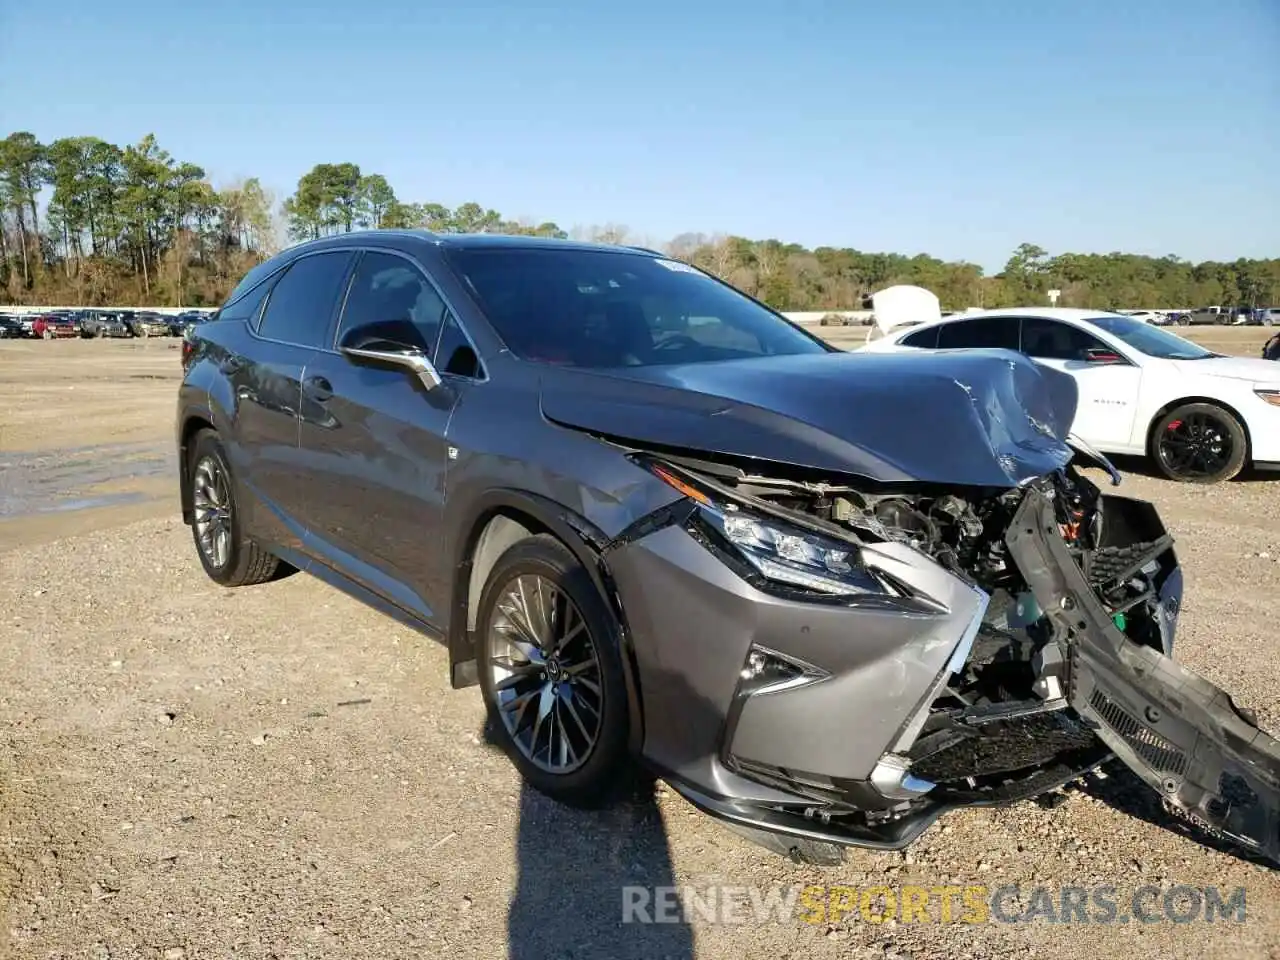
{"x":297,"y":319}
{"x":1183,"y":736}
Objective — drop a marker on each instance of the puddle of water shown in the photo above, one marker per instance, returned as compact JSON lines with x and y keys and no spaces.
{"x":21,"y":509}
{"x":65,"y":480}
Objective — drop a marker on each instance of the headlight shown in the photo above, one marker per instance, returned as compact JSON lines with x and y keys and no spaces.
{"x":781,"y":552}
{"x":1271,"y":396}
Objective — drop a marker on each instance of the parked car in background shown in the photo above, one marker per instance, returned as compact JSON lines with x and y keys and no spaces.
{"x":827,"y":596}
{"x":1146,"y":316}
{"x":1200,"y":416}
{"x":103,"y":324}
{"x":178,"y":323}
{"x":49,"y":326}
{"x":10,"y":327}
{"x":1203,"y":316}
{"x":144,"y":324}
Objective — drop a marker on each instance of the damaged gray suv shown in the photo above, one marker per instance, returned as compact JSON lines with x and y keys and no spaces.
{"x":826,"y":596}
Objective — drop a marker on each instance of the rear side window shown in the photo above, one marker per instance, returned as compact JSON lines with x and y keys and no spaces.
{"x":980,"y":332}
{"x":302,"y":302}
{"x":927,"y":338}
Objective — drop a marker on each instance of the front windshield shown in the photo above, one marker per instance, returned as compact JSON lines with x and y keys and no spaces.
{"x":1153,"y":341}
{"x":597,"y":308}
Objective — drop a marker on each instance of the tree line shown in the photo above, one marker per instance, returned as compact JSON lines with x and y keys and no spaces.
{"x":85,"y":221}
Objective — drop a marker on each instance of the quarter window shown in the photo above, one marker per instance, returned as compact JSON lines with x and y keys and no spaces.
{"x":927,"y":338}
{"x":455,"y":355}
{"x":301,"y":306}
{"x":247,"y":307}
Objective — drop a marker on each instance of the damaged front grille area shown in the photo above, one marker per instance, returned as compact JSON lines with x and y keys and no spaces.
{"x":984,"y":742}
{"x":999,"y":727}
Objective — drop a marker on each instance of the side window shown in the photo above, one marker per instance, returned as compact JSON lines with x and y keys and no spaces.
{"x":391,"y":299}
{"x":988,"y":332}
{"x":246,"y":308}
{"x":455,"y":355}
{"x":302,"y":302}
{"x":928,"y":339}
{"x":1051,"y":340}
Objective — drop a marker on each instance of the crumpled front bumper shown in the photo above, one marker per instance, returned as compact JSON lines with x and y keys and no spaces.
{"x":1183,"y":736}
{"x":819,"y":752}
{"x":803,"y":754}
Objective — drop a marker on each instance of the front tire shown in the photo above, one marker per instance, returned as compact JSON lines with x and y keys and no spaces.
{"x":227,"y":555}
{"x":550,"y":669}
{"x":1199,"y":443}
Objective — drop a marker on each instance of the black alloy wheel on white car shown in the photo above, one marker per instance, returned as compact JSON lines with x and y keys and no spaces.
{"x":1199,"y":443}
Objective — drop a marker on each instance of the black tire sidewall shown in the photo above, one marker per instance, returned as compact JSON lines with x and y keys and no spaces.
{"x":207,"y":444}
{"x":1239,"y":442}
{"x":597,"y":781}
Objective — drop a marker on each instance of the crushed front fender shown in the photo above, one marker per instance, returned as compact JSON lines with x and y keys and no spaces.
{"x":1179,"y":733}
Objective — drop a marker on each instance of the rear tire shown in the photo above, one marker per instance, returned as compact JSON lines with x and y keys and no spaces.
{"x":550,"y":682}
{"x":228,"y":556}
{"x":1199,"y":443}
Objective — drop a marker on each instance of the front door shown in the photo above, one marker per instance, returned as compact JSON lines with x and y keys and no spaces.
{"x":1107,"y":381}
{"x":373,"y":442}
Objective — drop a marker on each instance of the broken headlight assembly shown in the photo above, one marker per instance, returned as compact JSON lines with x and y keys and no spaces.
{"x":779,"y":552}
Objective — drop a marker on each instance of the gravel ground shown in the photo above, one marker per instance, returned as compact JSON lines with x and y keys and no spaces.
{"x":192,"y":772}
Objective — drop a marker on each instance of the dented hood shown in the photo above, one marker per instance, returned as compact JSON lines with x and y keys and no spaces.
{"x":977,"y":417}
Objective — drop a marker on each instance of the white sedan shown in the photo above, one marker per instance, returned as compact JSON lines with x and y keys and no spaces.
{"x":1202,"y":417}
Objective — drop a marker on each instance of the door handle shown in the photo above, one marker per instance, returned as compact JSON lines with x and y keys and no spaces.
{"x":317,"y":388}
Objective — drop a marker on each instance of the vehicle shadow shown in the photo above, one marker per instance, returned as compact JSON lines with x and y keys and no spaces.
{"x":573,"y":870}
{"x":1121,"y":790}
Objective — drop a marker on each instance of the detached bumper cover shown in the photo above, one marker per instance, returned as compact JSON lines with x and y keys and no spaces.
{"x":1179,"y":733}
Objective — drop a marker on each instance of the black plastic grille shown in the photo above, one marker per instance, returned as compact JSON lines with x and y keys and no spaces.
{"x":1152,"y":748}
{"x":999,"y":746}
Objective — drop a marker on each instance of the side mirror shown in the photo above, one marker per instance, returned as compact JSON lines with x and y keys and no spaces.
{"x":360,"y":348}
{"x":1096,"y":355}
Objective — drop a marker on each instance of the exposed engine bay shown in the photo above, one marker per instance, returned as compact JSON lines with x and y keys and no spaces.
{"x":1002,"y":728}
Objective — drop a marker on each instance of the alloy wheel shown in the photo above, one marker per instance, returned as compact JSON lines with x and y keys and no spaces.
{"x":211,"y":498}
{"x":545,"y":673}
{"x":1195,"y":446}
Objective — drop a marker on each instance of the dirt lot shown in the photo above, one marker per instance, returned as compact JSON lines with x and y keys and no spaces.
{"x":279,"y":772}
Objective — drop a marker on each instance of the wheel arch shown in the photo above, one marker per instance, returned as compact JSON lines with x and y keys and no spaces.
{"x":1211,"y":401}
{"x":494,"y":522}
{"x":192,"y":423}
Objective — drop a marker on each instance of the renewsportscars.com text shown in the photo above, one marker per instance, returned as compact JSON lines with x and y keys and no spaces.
{"x":907,"y":903}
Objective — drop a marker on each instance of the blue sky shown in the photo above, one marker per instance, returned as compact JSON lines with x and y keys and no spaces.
{"x":957,"y":129}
